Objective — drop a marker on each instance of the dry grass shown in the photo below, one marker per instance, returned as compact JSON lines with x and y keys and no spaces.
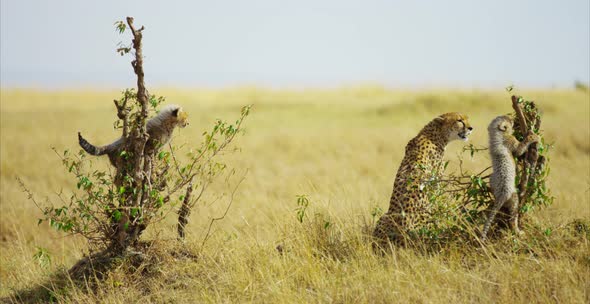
{"x":339,"y":147}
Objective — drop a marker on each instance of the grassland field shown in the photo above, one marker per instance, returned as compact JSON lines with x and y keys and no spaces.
{"x":341,"y":148}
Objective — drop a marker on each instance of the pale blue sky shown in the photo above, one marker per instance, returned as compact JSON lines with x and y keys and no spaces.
{"x":533,"y":43}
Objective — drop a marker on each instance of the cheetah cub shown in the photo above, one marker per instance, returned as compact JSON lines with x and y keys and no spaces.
{"x":159,"y":127}
{"x":503,"y":146}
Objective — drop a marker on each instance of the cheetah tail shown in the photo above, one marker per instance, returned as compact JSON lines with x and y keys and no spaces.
{"x":88,"y":147}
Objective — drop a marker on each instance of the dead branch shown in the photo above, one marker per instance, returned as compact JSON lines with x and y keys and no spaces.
{"x":140,"y":136}
{"x":521,"y":119}
{"x":185,"y":210}
{"x":137,"y":64}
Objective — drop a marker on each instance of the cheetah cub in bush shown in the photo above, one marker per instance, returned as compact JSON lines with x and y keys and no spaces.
{"x":159,"y":127}
{"x":503,"y":146}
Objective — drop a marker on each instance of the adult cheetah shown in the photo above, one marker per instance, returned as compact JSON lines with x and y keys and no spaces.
{"x":409,"y":209}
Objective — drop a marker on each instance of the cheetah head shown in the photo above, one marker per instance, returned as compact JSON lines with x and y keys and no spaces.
{"x":502,"y":123}
{"x":180,"y":115}
{"x":455,"y":126}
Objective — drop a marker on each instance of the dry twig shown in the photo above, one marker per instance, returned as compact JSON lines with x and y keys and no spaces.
{"x":231,"y":200}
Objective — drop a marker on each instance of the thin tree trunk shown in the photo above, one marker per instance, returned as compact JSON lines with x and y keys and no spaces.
{"x":185,"y":211}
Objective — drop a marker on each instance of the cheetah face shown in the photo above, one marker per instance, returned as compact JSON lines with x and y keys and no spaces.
{"x":457,"y":126}
{"x":181,"y":117}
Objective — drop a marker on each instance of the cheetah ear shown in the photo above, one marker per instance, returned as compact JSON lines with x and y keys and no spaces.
{"x":439,"y":120}
{"x":175,"y":112}
{"x":503,"y":126}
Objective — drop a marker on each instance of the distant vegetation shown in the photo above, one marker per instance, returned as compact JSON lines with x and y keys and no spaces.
{"x":581,"y":86}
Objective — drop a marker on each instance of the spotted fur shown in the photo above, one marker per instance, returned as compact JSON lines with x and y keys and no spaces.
{"x":503,"y":146}
{"x":409,"y":209}
{"x":159,"y":128}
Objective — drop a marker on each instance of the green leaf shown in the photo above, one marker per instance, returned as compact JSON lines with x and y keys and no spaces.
{"x":160,"y":201}
{"x":43,"y":257}
{"x":120,"y":26}
{"x":547,"y":232}
{"x":163,"y":155}
{"x":117,"y":215}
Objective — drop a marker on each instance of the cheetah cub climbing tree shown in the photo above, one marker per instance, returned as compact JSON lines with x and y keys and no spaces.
{"x":112,"y":208}
{"x":531,"y":166}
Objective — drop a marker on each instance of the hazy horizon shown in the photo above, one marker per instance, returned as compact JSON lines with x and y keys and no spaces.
{"x":401,"y":44}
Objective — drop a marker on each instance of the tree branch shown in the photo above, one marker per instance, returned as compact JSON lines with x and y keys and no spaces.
{"x":123,"y":113}
{"x":141,"y":135}
{"x":137,"y":64}
{"x":530,"y":160}
{"x":231,"y":200}
{"x":522,"y":121}
{"x":185,"y":210}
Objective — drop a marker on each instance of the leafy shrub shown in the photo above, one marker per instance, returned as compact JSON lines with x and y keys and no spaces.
{"x":111,"y":208}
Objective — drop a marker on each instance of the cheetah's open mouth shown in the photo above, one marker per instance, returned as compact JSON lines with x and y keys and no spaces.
{"x":464,"y":135}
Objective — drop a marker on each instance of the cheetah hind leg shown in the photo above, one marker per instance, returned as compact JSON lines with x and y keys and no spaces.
{"x":513,"y":204}
{"x":492,"y":211}
{"x":386,"y":235}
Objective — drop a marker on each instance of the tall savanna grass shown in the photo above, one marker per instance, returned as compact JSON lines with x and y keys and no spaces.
{"x":338,"y":147}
